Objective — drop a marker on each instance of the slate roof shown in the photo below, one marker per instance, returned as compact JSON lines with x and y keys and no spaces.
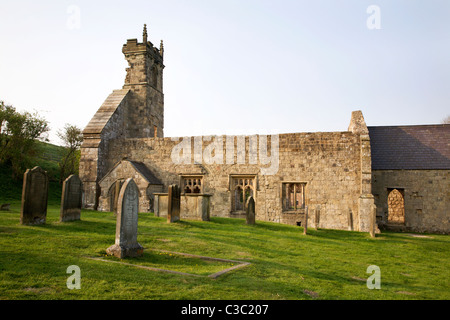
{"x":105,"y":111}
{"x":410,"y":147}
{"x":140,"y":167}
{"x":145,"y":172}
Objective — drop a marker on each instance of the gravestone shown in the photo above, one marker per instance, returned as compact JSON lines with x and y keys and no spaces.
{"x":34,"y":197}
{"x":305,"y":228}
{"x":350,"y":219}
{"x":373,"y":223}
{"x":317,"y":217}
{"x":173,"y":204}
{"x":115,"y":196}
{"x":126,"y":244}
{"x":71,"y":199}
{"x":250,"y":212}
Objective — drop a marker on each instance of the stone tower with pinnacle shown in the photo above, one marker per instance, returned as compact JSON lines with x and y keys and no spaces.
{"x":144,"y":79}
{"x":133,"y":112}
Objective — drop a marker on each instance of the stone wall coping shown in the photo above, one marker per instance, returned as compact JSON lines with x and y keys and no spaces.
{"x":105,"y":112}
{"x":184,"y":194}
{"x":301,"y":211}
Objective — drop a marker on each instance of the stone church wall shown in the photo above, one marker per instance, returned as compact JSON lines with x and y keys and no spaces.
{"x":107,"y":125}
{"x":426,"y":198}
{"x":284,"y":173}
{"x":328,"y":162}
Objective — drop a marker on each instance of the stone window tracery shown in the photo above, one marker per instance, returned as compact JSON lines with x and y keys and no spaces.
{"x":293,"y":195}
{"x":242,"y":187}
{"x":192,"y":184}
{"x":154,"y":76}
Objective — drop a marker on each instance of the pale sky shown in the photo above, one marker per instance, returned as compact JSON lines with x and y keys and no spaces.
{"x":235,"y":66}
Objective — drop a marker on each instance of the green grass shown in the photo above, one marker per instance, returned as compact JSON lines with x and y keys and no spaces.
{"x":170,"y":261}
{"x":284,"y":263}
{"x":47,"y":157}
{"x":49,"y":152}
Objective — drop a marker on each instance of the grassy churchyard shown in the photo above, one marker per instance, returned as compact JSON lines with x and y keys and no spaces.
{"x":282,"y":262}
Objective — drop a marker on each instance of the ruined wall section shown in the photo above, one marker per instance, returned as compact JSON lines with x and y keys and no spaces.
{"x":328,"y":162}
{"x":366,"y":203}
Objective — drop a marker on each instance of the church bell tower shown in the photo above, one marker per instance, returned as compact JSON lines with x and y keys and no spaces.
{"x":144,"y":79}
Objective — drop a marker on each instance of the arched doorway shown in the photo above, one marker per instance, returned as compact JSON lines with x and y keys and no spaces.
{"x":396,"y":206}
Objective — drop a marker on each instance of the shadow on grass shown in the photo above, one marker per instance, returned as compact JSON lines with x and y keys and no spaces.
{"x":86,"y":226}
{"x":283,"y":260}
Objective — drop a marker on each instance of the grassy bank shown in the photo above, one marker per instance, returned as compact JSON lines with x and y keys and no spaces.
{"x":47,"y":157}
{"x":284,"y":263}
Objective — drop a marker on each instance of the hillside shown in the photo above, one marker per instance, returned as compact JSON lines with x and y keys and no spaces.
{"x":47,"y":157}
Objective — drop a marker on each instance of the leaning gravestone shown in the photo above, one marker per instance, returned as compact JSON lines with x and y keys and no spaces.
{"x":305,"y":228}
{"x":173,"y":205}
{"x":71,"y":199}
{"x":34,"y":197}
{"x":250,"y":212}
{"x":317,"y":217}
{"x":126,"y":244}
{"x":373,"y":223}
{"x":115,"y":195}
{"x":350,"y":219}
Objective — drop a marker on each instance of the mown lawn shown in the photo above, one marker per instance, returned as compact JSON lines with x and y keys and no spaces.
{"x":284,"y":263}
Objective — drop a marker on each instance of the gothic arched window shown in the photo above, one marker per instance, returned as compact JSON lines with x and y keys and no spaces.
{"x":154,"y":78}
{"x":241,"y":189}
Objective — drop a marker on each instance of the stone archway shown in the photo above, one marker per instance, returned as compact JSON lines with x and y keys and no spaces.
{"x":396,"y":206}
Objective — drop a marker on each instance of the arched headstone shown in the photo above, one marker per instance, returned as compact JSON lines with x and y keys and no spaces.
{"x":71,"y":199}
{"x":250,"y":212}
{"x":34,"y":196}
{"x":126,"y":244}
{"x":173,"y":210}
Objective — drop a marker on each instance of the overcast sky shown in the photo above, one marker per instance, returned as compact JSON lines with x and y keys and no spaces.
{"x":234,"y":67}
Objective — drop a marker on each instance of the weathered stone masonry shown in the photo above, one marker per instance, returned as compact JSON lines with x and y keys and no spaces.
{"x":330,"y":172}
{"x":412,"y":162}
{"x":135,"y":111}
{"x":327,"y":162}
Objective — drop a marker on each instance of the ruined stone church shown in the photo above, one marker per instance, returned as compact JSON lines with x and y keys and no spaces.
{"x":396,"y":176}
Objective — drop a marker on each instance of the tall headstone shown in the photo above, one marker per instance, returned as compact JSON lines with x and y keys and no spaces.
{"x":317,"y":217}
{"x":71,"y":199}
{"x":34,"y":197}
{"x":250,"y":212}
{"x":173,"y":205}
{"x":350,"y":219}
{"x":115,"y":196}
{"x":373,"y":221}
{"x":126,"y":244}
{"x":305,"y":228}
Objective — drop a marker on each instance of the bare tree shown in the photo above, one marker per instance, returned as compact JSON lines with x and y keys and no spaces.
{"x":446,"y":120}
